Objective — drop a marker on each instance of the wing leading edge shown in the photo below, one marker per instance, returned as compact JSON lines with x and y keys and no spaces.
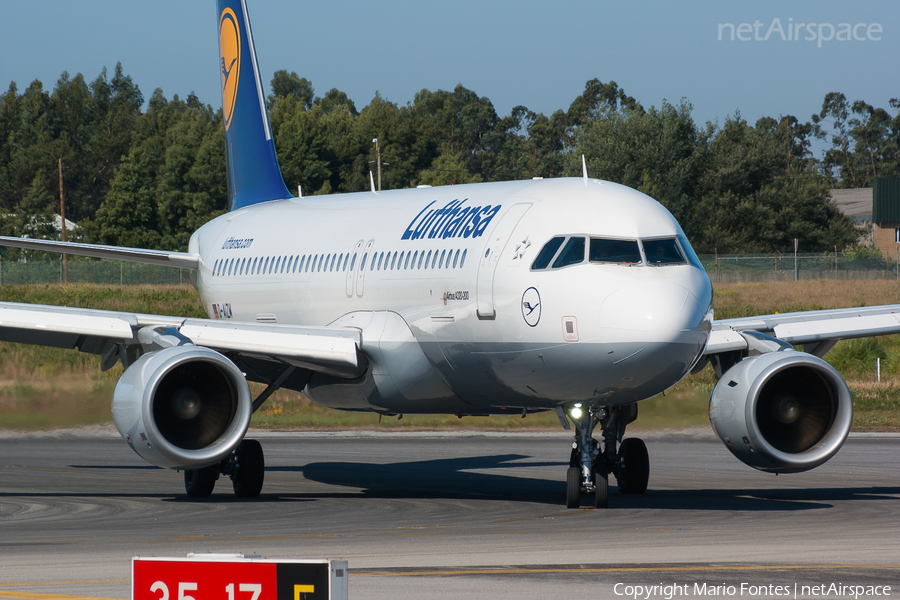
{"x":334,"y":350}
{"x":818,"y":327}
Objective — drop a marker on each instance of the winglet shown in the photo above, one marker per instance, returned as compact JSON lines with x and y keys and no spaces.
{"x":584,"y":169}
{"x":253,"y":173}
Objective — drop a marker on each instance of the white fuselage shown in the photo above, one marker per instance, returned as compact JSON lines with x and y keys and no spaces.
{"x":449,"y":270}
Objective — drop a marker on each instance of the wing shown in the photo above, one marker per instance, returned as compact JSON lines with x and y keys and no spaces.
{"x":816,"y":330}
{"x":117,"y":336}
{"x":153,"y":257}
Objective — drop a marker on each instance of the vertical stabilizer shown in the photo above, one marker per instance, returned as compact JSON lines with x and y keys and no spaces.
{"x":253,"y":173}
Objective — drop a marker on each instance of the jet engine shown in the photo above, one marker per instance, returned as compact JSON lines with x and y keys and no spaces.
{"x":182,"y":407}
{"x":782,"y":412}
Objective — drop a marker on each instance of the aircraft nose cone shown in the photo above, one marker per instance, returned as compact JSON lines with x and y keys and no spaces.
{"x":652,"y":311}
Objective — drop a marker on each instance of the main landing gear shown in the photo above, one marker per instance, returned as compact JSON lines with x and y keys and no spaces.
{"x":590,"y":463}
{"x":246,"y":467}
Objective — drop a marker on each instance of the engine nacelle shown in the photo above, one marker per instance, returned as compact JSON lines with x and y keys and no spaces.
{"x":182,"y":407}
{"x":782,"y":412}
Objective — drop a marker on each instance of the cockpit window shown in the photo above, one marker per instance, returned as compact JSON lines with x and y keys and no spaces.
{"x":663,"y":252}
{"x":689,"y":251}
{"x":572,"y":253}
{"x":615,"y":251}
{"x":547,"y":252}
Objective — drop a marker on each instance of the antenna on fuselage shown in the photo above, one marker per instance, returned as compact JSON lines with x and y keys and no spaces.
{"x":372,"y":181}
{"x":584,"y":169}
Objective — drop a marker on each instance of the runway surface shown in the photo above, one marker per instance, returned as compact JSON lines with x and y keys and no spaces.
{"x":459,"y":515}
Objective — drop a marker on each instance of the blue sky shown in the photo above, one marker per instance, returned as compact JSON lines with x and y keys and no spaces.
{"x":538,"y":53}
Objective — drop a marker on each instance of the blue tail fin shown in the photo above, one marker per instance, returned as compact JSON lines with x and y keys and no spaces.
{"x":253,"y":173}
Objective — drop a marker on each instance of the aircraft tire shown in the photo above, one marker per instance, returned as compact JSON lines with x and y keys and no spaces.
{"x":199,"y":483}
{"x":573,"y":487}
{"x":250,"y":470}
{"x":601,"y":495}
{"x":636,"y":471}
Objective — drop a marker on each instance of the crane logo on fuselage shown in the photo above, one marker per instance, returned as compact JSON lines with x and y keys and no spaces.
{"x":452,"y":221}
{"x":531,"y":307}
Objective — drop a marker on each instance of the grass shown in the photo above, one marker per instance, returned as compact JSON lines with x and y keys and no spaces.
{"x":49,"y":387}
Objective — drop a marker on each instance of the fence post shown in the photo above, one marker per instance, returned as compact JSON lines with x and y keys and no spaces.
{"x":717,"y":264}
{"x":796,"y":266}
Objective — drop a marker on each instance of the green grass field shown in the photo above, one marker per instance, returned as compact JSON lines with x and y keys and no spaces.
{"x":48,"y":387}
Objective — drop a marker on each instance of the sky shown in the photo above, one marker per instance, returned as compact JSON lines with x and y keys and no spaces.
{"x":536,"y":53}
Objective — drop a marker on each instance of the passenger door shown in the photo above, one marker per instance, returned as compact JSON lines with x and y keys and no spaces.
{"x":490,"y":257}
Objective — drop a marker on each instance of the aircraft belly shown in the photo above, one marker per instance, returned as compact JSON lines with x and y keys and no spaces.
{"x":535,"y":375}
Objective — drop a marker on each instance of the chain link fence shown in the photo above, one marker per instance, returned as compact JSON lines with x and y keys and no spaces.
{"x":27,"y":271}
{"x":734,"y":268}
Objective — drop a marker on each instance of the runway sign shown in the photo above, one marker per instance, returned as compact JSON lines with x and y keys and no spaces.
{"x":235,"y":577}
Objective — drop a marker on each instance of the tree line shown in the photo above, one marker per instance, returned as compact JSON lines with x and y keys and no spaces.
{"x":149,"y":177}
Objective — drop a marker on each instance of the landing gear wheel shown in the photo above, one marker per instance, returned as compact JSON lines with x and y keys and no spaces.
{"x":635,"y":466}
{"x":600,"y":497}
{"x":249,"y":470}
{"x":199,"y":483}
{"x":573,"y":487}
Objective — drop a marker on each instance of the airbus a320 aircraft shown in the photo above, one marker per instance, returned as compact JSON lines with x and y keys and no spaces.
{"x":574,"y":295}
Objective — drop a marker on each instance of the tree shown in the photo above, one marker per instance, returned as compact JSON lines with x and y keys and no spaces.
{"x":291,"y":85}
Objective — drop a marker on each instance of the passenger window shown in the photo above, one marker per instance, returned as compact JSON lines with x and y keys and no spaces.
{"x":615,"y":251}
{"x":324,"y":264}
{"x":463,"y":259}
{"x":663,"y":252}
{"x":406,"y":264}
{"x":441,"y":263}
{"x":333,"y":258}
{"x":427,"y":259}
{"x":434,"y":260}
{"x":393,"y":260}
{"x":353,"y":262}
{"x":380,"y":258}
{"x":265,"y":266}
{"x":455,"y":258}
{"x":572,"y":253}
{"x":362,"y":265}
{"x":547,"y":252}
{"x":230,"y":264}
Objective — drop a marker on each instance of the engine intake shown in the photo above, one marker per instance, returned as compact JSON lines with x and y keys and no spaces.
{"x":182,"y":407}
{"x":782,"y":412}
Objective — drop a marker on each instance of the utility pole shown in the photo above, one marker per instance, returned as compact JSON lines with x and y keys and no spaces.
{"x":378,"y":161}
{"x":62,"y":218}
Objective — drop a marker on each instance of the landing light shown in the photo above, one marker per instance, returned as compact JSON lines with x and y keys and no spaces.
{"x":576,"y":411}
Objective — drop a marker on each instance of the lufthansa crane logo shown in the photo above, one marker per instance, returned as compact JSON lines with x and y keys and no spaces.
{"x":229,"y":61}
{"x":531,"y":306}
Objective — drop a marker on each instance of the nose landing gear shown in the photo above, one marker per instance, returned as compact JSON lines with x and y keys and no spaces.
{"x":590,"y":463}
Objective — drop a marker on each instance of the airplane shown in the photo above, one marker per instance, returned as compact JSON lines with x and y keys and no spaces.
{"x":573,"y":295}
